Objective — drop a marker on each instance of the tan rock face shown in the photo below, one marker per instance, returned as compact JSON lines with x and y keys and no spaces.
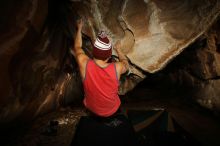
{"x":160,"y":29}
{"x":153,"y":32}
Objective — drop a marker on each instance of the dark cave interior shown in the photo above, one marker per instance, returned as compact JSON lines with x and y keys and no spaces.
{"x":41,"y":85}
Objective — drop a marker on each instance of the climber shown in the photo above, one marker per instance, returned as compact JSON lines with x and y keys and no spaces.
{"x":100,"y":78}
{"x":104,"y":125}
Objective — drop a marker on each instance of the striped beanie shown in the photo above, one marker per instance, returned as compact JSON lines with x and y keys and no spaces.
{"x":102,"y":48}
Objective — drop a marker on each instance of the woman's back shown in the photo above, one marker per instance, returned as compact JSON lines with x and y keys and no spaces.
{"x":101,"y":89}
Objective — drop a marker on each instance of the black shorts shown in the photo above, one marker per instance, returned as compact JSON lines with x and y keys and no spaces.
{"x":100,"y":131}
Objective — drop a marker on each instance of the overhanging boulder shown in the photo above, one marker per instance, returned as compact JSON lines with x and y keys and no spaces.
{"x":153,"y":31}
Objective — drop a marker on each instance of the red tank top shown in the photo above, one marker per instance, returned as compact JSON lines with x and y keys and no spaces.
{"x":101,"y":89}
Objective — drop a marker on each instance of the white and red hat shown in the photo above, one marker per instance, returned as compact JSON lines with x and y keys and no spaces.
{"x":102,"y":48}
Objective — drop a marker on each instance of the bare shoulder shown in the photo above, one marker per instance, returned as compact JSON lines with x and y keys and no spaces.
{"x":82,"y":59}
{"x":120,"y":67}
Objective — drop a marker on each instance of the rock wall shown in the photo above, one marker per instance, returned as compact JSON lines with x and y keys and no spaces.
{"x":203,"y":72}
{"x":153,"y":32}
{"x":17,"y":22}
{"x":205,"y":68}
{"x":38,"y":72}
{"x":193,"y":75}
